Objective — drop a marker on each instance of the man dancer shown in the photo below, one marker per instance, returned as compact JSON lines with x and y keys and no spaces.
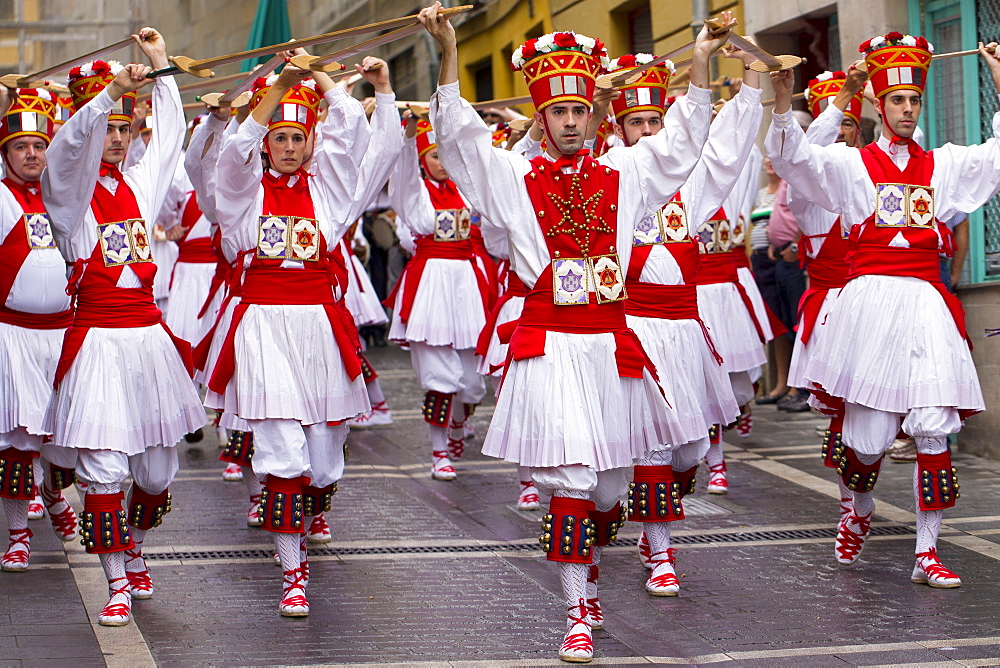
{"x":894,"y":350}
{"x":123,"y":395}
{"x":570,"y":222}
{"x":34,"y":313}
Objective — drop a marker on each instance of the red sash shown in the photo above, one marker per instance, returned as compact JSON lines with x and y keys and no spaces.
{"x":99,"y":302}
{"x":667,"y":302}
{"x":827,"y":271}
{"x":515,"y":288}
{"x":14,"y":251}
{"x":234,"y":289}
{"x":428,"y":249}
{"x":220,"y":276}
{"x":721,"y":268}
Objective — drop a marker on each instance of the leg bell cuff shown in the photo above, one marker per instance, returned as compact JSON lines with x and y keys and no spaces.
{"x":938,"y":481}
{"x":102,"y":525}
{"x":367,"y":370}
{"x":282,"y":505}
{"x":654,"y":495}
{"x":437,"y":408}
{"x":146,"y":510}
{"x":607,"y":524}
{"x":858,"y":477}
{"x":568,"y":534}
{"x":316,"y":500}
{"x":239,"y":448}
{"x":686,"y":483}
{"x":60,"y":478}
{"x":17,"y":474}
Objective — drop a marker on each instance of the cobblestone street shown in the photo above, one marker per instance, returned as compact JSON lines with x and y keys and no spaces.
{"x":449,"y":573}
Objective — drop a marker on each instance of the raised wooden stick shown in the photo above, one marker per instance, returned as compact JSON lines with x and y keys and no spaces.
{"x":203,"y":68}
{"x":956,"y":54}
{"x":25,"y":80}
{"x":797,"y":96}
{"x":328,"y":63}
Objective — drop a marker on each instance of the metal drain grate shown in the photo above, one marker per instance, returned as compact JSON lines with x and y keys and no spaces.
{"x":744,"y":537}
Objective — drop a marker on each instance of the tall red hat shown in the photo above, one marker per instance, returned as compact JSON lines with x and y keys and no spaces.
{"x":501,"y":133}
{"x":298,"y":108}
{"x":604,"y":130}
{"x":64,"y":109}
{"x":30,"y":115}
{"x":560,"y":67}
{"x":897,"y":62}
{"x":824,"y":88}
{"x":648,"y":92}
{"x":89,"y":79}
{"x":425,"y":138}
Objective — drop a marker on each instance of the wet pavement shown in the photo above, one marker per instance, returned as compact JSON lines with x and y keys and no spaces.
{"x":449,"y":573}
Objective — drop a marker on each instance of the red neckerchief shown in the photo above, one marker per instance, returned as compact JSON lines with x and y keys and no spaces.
{"x":27,"y":194}
{"x":282,"y":199}
{"x":444,"y":195}
{"x":570,"y":160}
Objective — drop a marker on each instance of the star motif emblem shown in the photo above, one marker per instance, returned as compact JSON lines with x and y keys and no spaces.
{"x":40,"y":228}
{"x":921,"y":206}
{"x":139,"y":235}
{"x":646,"y":224}
{"x":705,"y":236}
{"x":584,"y":208}
{"x":571,"y":282}
{"x":675,"y":222}
{"x":116,"y":241}
{"x":272,"y":235}
{"x":608,"y":278}
{"x":892,"y":203}
{"x":304,"y":238}
{"x":723,"y":236}
{"x":446,"y":224}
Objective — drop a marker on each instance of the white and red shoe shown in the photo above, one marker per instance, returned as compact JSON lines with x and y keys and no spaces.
{"x":595,"y":613}
{"x":456,"y":446}
{"x":645,"y":552}
{"x":850,"y":542}
{"x":118,"y":611}
{"x":362,"y":421}
{"x":61,"y":514}
{"x":441,"y":468}
{"x":319,"y":530}
{"x":232,"y":473}
{"x":846,"y":507}
{"x":15,"y":559}
{"x":663,"y":580}
{"x":140,"y":584}
{"x":717,"y":483}
{"x":930,"y":571}
{"x":380,"y":415}
{"x":253,"y":514}
{"x":528,"y":498}
{"x":36,"y":510}
{"x":578,"y":645}
{"x":744,"y":423}
{"x":293,"y":598}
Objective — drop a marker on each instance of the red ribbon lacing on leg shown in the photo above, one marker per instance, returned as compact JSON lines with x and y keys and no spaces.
{"x":594,"y":604}
{"x":63,"y":522}
{"x":294,"y":580}
{"x":19,"y":538}
{"x":645,"y":552}
{"x":439,"y":456}
{"x":849,"y":542}
{"x":118,"y":609}
{"x":456,"y":446}
{"x":528,"y":496}
{"x":934,"y":568}
{"x":304,"y":560}
{"x":578,"y":642}
{"x":717,"y":477}
{"x":137,"y":579}
{"x":664,"y":579}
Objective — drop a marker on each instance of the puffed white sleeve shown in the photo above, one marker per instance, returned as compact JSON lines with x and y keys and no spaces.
{"x":382,"y":154}
{"x":238,"y":191}
{"x":408,"y":195}
{"x":201,"y":160}
{"x":164,"y":149}
{"x":73,"y":159}
{"x":730,"y":140}
{"x":823,"y":131}
{"x":965,"y":177}
{"x":486,"y":175}
{"x":527,"y":147}
{"x":341,"y":143}
{"x":662,"y":163}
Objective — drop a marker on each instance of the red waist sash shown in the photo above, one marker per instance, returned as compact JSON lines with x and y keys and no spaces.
{"x":921,"y":263}
{"x":277,"y":286}
{"x":721,"y":268}
{"x":113,"y":308}
{"x":825,"y":274}
{"x":58,"y":320}
{"x":515,"y":288}
{"x":740,"y":257}
{"x":196,"y":250}
{"x":428,"y":249}
{"x":667,"y":302}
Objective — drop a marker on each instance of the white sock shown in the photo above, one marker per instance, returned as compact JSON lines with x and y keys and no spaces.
{"x":574,"y":584}
{"x":287,"y":545}
{"x":17,"y":513}
{"x":375,"y":394}
{"x":524,"y":474}
{"x":928,"y":521}
{"x":846,"y":496}
{"x":439,"y":438}
{"x":714,"y":456}
{"x":114,"y":565}
{"x":658,"y":535}
{"x":252,"y":482}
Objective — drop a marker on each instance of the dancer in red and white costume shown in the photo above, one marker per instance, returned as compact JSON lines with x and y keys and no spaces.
{"x":439,"y":304}
{"x":569,"y":222}
{"x":662,"y":307}
{"x":896,"y":350}
{"x":34,"y":314}
{"x":123,"y":391}
{"x":835,"y":101}
{"x":291,"y":350}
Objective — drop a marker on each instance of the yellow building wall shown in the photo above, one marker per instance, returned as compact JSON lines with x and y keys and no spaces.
{"x":8,"y":52}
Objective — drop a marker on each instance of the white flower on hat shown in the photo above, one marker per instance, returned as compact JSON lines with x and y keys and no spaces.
{"x":877,"y":42}
{"x":545,"y":42}
{"x":588,"y":43}
{"x":517,"y":58}
{"x":605,"y":63}
{"x":43,"y":94}
{"x":930,"y":47}
{"x":909,"y":40}
{"x":309,"y":83}
{"x":87,"y":69}
{"x":825,"y":76}
{"x":116,"y":67}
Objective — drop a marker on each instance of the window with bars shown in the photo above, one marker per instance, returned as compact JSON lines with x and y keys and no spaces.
{"x":640,"y":23}
{"x":949,"y":89}
{"x":987,"y":28}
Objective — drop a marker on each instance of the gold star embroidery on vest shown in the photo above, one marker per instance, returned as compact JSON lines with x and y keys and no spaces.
{"x":579,"y":230}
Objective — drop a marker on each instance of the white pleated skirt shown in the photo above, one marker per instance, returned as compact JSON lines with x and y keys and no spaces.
{"x":891,"y":344}
{"x":127,"y":390}
{"x":756,"y":300}
{"x":361,"y":299}
{"x":447,"y":307}
{"x":164,"y":255}
{"x":288,"y":366}
{"x":569,"y":406}
{"x":803,"y":351}
{"x":696,"y":386}
{"x":729,"y":322}
{"x":28,"y":359}
{"x":496,"y":353}
{"x":191,"y":283}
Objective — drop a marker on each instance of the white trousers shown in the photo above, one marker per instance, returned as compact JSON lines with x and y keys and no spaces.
{"x":289,"y":449}
{"x":870,"y":432}
{"x":444,"y":369}
{"x":152,"y":470}
{"x":604,"y":488}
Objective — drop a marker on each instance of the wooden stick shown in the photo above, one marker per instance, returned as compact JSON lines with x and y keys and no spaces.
{"x":743,"y":44}
{"x":503,"y":102}
{"x":797,"y":96}
{"x":239,"y":94}
{"x":328,"y":63}
{"x":203,"y":68}
{"x":618,"y":79}
{"x":25,"y":80}
{"x":956,"y":54}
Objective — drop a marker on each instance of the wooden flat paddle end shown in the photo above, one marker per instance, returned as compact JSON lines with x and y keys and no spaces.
{"x":187,"y":65}
{"x":786,"y":63}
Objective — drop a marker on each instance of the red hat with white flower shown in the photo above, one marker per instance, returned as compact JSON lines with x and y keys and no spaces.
{"x":298,"y":108}
{"x":560,"y":67}
{"x":30,"y":115}
{"x":648,"y":92}
{"x":821,"y":90}
{"x":897,"y":62}
{"x":89,"y":79}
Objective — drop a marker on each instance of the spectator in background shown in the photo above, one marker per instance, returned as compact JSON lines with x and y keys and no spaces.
{"x":763,"y":269}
